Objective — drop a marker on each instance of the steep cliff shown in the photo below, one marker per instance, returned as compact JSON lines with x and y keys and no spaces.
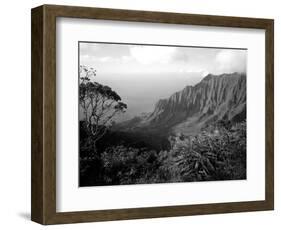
{"x":214,"y":98}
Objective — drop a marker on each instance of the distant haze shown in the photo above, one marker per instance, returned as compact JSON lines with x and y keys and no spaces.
{"x":142,"y":75}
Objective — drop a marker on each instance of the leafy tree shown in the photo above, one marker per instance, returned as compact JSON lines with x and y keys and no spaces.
{"x":100,"y":104}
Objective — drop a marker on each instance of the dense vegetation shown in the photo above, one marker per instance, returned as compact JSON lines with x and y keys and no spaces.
{"x":218,"y":152}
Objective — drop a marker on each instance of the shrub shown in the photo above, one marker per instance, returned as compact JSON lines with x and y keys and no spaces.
{"x":218,"y":152}
{"x":210,"y":155}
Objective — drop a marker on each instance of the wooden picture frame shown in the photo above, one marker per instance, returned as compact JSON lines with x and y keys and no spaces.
{"x":43,"y":208}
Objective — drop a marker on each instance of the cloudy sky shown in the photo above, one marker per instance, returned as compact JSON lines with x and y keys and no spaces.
{"x":142,"y":74}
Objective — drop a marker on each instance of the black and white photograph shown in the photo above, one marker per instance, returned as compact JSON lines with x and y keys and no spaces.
{"x":152,"y":113}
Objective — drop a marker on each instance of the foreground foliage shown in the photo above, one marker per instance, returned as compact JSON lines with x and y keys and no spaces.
{"x":218,"y":152}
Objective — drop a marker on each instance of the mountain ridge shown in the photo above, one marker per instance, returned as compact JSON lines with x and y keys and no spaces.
{"x":215,"y":97}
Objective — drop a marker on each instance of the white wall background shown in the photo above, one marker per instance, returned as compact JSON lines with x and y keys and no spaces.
{"x":15,"y":113}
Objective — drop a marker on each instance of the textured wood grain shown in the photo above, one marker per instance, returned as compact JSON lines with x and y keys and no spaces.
{"x":37,"y":116}
{"x":44,"y":114}
{"x":269,"y":116}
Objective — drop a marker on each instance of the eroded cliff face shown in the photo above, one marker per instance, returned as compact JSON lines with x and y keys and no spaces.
{"x":215,"y":97}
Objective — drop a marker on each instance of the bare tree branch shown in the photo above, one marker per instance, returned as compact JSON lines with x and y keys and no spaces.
{"x":100,"y":104}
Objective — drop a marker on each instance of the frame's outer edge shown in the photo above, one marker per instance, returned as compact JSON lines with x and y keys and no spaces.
{"x":269,"y":123}
{"x":43,"y":96}
{"x":155,"y":16}
{"x":43,"y":157}
{"x":37,"y":190}
{"x":49,"y":114}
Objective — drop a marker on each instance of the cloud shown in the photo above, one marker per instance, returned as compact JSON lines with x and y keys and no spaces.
{"x":152,"y":54}
{"x":106,"y":59}
{"x":182,"y":55}
{"x":228,"y":61}
{"x":88,"y":49}
{"x":121,"y":58}
{"x":103,"y":50}
{"x":126,"y":59}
